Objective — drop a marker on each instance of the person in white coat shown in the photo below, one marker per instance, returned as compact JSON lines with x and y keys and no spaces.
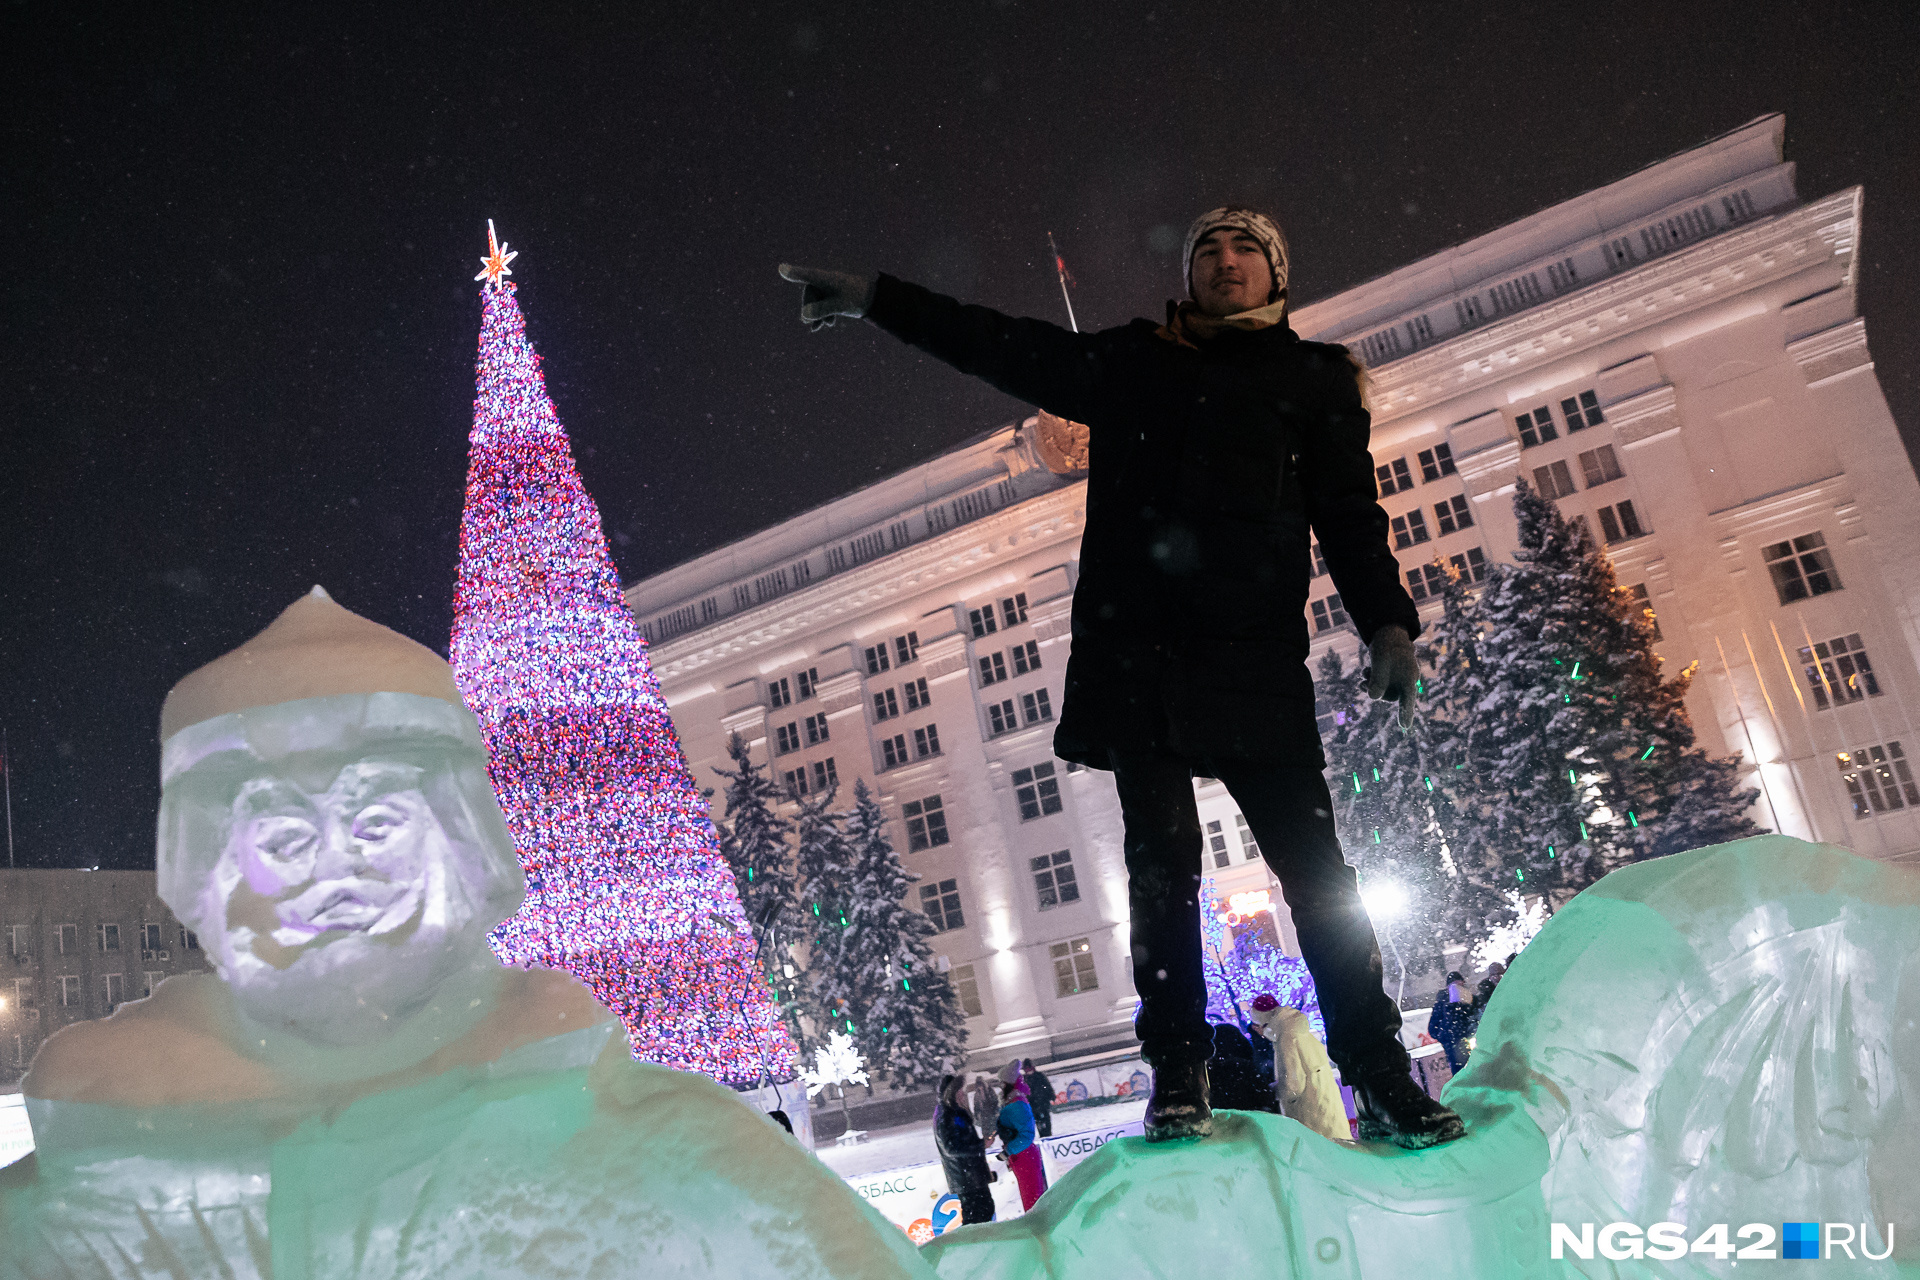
{"x":1302,"y":1072}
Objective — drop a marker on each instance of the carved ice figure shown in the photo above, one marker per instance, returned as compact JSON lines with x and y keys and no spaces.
{"x":362,"y":1090}
{"x":1730,"y":1035}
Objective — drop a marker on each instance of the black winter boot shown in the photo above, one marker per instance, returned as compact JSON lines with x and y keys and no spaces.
{"x":1392,"y":1108}
{"x":1179,"y":1107}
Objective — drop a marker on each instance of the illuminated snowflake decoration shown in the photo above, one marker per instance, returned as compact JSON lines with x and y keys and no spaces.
{"x":836,"y":1062}
{"x":626,"y":888}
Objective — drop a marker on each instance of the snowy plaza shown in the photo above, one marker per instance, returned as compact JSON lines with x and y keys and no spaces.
{"x":1410,"y":779}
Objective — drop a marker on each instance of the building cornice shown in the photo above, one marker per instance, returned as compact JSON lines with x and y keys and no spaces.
{"x":1054,"y":515}
{"x":1832,"y":352}
{"x":1686,"y":280}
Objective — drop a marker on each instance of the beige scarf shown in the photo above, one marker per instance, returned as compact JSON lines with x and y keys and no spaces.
{"x":1189,"y":326}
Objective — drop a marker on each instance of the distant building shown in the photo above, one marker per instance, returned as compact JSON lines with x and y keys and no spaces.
{"x":78,"y":944}
{"x":1676,"y":357}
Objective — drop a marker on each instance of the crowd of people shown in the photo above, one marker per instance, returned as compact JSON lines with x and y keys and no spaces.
{"x":1019,"y":1109}
{"x":1457,"y":1009}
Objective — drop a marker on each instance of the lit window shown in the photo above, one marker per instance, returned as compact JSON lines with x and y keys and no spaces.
{"x":1581,"y":411}
{"x":1000,"y":717}
{"x":1801,"y":568}
{"x":1471,"y":566}
{"x":917,"y":694}
{"x":1639,"y":591}
{"x":1013,"y":609}
{"x":1328,"y":614}
{"x":1026,"y":657}
{"x":941,"y":902}
{"x":1600,"y":465}
{"x":967,"y":987}
{"x":1037,"y":705}
{"x":1073,"y":967}
{"x":1053,"y":879}
{"x":1554,"y":480}
{"x":885,"y":705}
{"x":1878,"y":779}
{"x":1436,"y":462}
{"x":1217,"y":845}
{"x":1037,"y":791}
{"x":926,"y":823}
{"x":1249,"y":847}
{"x":1536,"y":427}
{"x":993,"y":668}
{"x":1409,"y":529}
{"x":1842,"y":672}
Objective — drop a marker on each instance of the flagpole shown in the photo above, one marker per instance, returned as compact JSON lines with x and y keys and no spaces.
{"x":1060,"y":268}
{"x":6,"y":771}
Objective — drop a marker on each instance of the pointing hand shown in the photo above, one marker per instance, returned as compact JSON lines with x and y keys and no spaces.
{"x":1396,"y":670}
{"x":827,"y":294}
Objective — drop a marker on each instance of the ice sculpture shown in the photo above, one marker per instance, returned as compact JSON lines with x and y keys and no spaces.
{"x":362,"y":1090}
{"x":1729,"y":1036}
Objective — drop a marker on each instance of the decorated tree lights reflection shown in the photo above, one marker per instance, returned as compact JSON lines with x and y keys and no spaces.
{"x":626,"y":888}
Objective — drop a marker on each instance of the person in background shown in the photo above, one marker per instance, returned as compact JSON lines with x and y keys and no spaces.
{"x":781,"y":1118}
{"x":1018,"y":1148}
{"x":963,"y":1153}
{"x":1237,"y":1083}
{"x":1041,"y":1099}
{"x":1303,"y":1079}
{"x":1484,"y":992}
{"x":1452,"y":1020}
{"x":986,"y":1103}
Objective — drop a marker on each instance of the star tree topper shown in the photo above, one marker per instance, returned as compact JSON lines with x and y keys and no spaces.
{"x":494,"y":266}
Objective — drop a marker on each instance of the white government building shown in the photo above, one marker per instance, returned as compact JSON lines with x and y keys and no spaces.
{"x":1677,"y":357}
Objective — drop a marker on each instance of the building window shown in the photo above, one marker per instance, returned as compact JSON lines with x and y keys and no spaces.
{"x":967,"y":987}
{"x":1426,"y":580}
{"x":1581,"y":411}
{"x":1600,"y":465}
{"x":1879,"y":779}
{"x":70,"y":991}
{"x":1037,"y":791}
{"x":1037,"y":705}
{"x":1536,"y":427}
{"x":982,"y":621}
{"x":825,"y":775}
{"x":1026,"y":657}
{"x":1319,"y":561}
{"x":1000,"y":717}
{"x":993,"y":669}
{"x":926,"y":742}
{"x":941,"y":902}
{"x":107,"y":937}
{"x":1409,"y":529}
{"x":893,"y":751}
{"x":114,"y":987}
{"x":917,"y":695}
{"x":1554,"y":480}
{"x":807,"y":680}
{"x":1801,"y":567}
{"x":67,"y":939}
{"x":25,"y":995}
{"x":1249,"y":847}
{"x":1073,"y":967}
{"x":1619,"y":522}
{"x":1436,"y":462}
{"x":1393,"y":477}
{"x":778,"y":693}
{"x":906,"y":648}
{"x":152,"y":937}
{"x":189,"y":940}
{"x":786,"y":738}
{"x":1328,"y":614}
{"x":148,"y":981}
{"x":885,"y":705}
{"x":17,"y":936}
{"x":816,"y":729}
{"x":1471,"y":565}
{"x":877,"y":659}
{"x":1053,"y":879}
{"x":1324,"y":718}
{"x":1842,"y":673}
{"x":1217,"y":845}
{"x":1013,"y":609}
{"x":1639,"y":592}
{"x":796,"y":780}
{"x":926,"y":823}
{"x":1454,"y":514}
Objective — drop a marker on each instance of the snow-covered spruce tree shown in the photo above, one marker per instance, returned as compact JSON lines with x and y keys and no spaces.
{"x":753,"y":839}
{"x":824,"y":864}
{"x":907,"y":1018}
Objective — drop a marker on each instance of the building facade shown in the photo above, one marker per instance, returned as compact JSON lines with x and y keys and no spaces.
{"x":78,"y":945}
{"x":1675,"y":357}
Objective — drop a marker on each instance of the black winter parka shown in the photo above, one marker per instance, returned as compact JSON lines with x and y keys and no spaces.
{"x":1208,"y":470}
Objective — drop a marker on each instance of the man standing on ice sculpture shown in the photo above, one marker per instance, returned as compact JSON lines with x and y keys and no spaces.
{"x":363,"y":1089}
{"x":1220,"y":443}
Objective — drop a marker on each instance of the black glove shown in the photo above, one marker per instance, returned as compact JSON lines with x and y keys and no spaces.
{"x":827,"y":294}
{"x":1396,"y":670}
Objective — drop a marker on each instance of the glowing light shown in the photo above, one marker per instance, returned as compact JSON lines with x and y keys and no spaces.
{"x":1242,"y":907}
{"x":626,"y":887}
{"x":494,"y":266}
{"x":1383,"y":899}
{"x":1649,"y":751}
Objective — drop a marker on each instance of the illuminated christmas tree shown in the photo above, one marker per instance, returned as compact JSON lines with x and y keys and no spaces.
{"x":626,"y":888}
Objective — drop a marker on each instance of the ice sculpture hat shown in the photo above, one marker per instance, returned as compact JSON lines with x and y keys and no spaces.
{"x":287,"y":744}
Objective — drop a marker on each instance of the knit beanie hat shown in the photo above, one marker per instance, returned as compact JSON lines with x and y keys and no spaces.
{"x":1257,"y":225}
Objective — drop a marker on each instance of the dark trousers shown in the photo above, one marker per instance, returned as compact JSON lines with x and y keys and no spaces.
{"x":976,"y":1204}
{"x":1291,"y":814}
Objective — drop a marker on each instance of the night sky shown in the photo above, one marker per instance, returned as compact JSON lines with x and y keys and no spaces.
{"x":240,"y":320}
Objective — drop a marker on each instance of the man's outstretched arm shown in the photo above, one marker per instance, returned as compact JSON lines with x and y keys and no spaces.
{"x":1031,"y":360}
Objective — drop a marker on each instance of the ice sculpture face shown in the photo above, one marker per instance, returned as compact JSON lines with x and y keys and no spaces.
{"x":342,"y":857}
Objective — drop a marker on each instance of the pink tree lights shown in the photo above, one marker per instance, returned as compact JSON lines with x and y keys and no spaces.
{"x":626,"y":888}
